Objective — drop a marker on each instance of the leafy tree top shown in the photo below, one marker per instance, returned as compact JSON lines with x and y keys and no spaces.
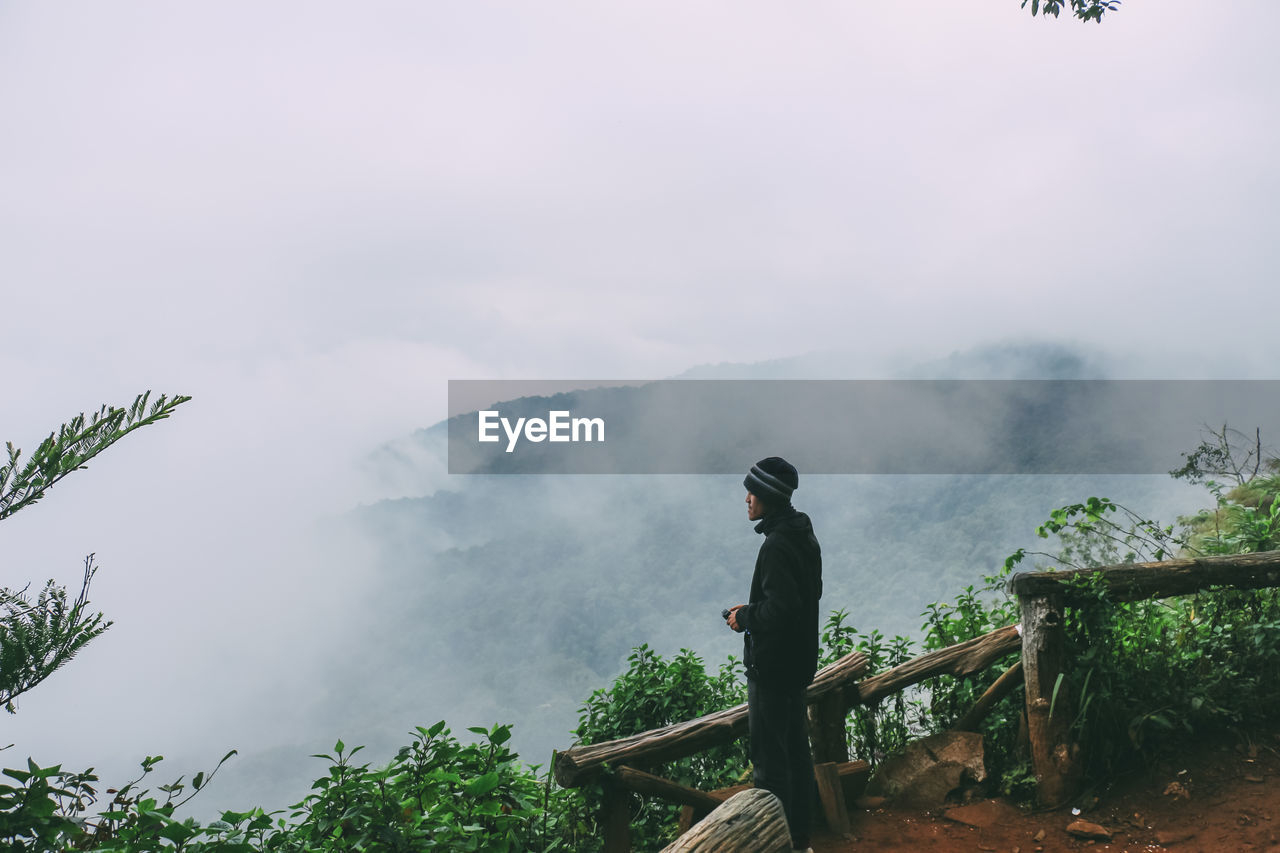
{"x":1085,"y":10}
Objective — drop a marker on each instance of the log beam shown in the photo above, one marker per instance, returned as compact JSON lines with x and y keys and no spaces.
{"x":962,"y":659}
{"x":579,"y":763}
{"x":1139,"y":581}
{"x":647,"y":783}
{"x":1001,"y":688}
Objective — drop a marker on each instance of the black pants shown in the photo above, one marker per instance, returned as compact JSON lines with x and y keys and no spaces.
{"x":780,"y":753}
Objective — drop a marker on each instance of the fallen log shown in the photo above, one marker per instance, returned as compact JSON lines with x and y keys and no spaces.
{"x":748,"y":822}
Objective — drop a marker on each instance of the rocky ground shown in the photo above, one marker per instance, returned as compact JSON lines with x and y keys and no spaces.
{"x":1221,"y":794}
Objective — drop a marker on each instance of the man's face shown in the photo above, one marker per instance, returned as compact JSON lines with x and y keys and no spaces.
{"x":755,"y":507}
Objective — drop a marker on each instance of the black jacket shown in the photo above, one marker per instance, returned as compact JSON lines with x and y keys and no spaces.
{"x":781,"y":620}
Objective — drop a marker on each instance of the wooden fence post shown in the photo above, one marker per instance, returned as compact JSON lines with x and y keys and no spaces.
{"x":831,"y":793}
{"x":1049,"y":705}
{"x":826,"y":729}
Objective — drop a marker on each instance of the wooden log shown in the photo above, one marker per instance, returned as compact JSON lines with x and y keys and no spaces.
{"x":1053,"y":756}
{"x":827,"y":729}
{"x":853,"y":777}
{"x":837,"y":676}
{"x":961,"y":659}
{"x":748,"y":822}
{"x":690,"y":815}
{"x":1138,"y":581}
{"x":579,"y":763}
{"x":647,"y":783}
{"x":1001,"y":688}
{"x":831,"y":793}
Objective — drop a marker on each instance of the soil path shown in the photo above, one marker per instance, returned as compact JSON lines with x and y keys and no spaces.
{"x":1216,"y":796}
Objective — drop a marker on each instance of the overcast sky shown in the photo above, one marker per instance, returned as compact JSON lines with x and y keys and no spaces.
{"x":310,"y":216}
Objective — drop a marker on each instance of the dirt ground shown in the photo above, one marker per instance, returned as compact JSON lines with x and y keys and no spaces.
{"x":1215,"y":795}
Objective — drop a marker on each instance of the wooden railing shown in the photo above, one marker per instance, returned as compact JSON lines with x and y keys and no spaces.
{"x":1041,"y":599}
{"x":836,"y":689}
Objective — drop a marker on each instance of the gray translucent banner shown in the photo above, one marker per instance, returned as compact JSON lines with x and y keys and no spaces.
{"x":847,"y":426}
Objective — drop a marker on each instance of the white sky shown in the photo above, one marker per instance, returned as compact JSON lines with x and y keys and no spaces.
{"x":310,"y":216}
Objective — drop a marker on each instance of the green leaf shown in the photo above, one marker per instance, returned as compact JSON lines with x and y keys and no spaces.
{"x":1053,"y":701}
{"x":482,"y":784}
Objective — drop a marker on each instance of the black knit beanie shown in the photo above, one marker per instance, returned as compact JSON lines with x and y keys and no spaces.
{"x":772,"y":480}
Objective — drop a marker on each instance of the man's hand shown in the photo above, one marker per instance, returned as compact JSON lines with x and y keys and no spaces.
{"x":733,"y":618}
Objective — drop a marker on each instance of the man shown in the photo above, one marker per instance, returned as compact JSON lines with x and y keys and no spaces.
{"x":780,"y":626}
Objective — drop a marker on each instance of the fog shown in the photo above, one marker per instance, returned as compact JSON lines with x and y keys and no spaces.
{"x":311,"y":217}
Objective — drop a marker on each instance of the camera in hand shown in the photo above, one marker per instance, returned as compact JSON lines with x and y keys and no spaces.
{"x":724,"y":614}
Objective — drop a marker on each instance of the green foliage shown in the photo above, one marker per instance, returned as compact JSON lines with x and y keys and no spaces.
{"x":76,"y":442}
{"x":1101,"y":532}
{"x":1245,"y":521}
{"x":437,"y":794}
{"x":1143,"y":671}
{"x":884,"y":728}
{"x":47,"y":811}
{"x":37,"y":638}
{"x":30,"y":817}
{"x":652,"y":693}
{"x":873,"y":731}
{"x":1085,"y":10}
{"x":976,"y":611}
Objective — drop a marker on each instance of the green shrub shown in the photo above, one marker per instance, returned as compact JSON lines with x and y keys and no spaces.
{"x":652,"y":693}
{"x":436,"y":794}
